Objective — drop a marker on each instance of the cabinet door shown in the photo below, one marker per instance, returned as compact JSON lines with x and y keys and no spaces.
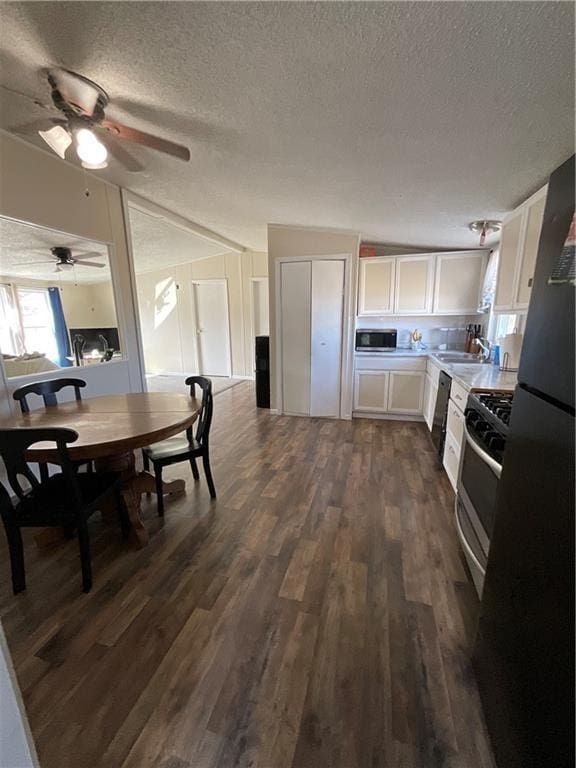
{"x":295,"y":289}
{"x":405,"y":391}
{"x":371,"y":391}
{"x":458,"y":283}
{"x":534,"y":215}
{"x":509,"y":249}
{"x":430,"y":393}
{"x":376,"y":286}
{"x":414,"y":285}
{"x":327,"y":300}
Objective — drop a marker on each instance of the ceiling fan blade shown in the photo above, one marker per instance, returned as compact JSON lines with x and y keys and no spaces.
{"x":88,"y":263}
{"x":36,"y":125}
{"x":90,"y":255}
{"x":147,"y":140}
{"x":118,"y":152}
{"x":34,"y":263}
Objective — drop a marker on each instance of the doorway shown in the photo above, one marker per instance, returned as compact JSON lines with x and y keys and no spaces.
{"x":210,"y":299}
{"x":259,"y":313}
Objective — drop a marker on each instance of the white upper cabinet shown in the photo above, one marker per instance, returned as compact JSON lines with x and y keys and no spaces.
{"x":414,"y":280}
{"x":518,"y":251}
{"x":534,"y":216}
{"x":376,"y":286}
{"x":458,"y":282}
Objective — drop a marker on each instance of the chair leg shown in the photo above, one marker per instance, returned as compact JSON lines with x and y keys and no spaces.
{"x":122,"y":512}
{"x":194,"y":468}
{"x":146,"y":463}
{"x":16,"y":558}
{"x":85,"y":559}
{"x":208,"y":473}
{"x":159,"y":490}
{"x":44,"y":474}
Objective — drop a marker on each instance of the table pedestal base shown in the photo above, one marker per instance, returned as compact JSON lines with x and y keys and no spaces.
{"x":134,"y":484}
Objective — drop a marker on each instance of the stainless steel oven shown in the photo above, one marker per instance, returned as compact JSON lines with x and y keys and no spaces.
{"x":478,"y":478}
{"x":376,"y":340}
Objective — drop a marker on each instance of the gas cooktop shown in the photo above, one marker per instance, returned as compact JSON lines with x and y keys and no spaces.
{"x":488,"y":417}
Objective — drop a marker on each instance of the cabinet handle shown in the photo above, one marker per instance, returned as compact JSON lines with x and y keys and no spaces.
{"x":451,"y":449}
{"x":457,"y":397}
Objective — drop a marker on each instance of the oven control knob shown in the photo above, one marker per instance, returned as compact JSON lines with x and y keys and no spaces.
{"x":472,"y":418}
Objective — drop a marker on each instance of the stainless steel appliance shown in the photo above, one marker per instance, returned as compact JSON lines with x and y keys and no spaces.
{"x":376,"y":340}
{"x":524,"y":653}
{"x":441,"y":413}
{"x":485,"y":431}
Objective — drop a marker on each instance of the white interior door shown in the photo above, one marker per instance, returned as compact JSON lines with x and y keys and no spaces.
{"x":295,"y":298}
{"x":326,"y":322}
{"x":212,"y":327}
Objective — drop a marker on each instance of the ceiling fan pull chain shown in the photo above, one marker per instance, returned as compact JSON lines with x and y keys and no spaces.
{"x":86,"y":183}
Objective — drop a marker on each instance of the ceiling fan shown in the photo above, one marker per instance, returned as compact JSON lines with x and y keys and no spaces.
{"x":84,"y":124}
{"x":65,"y":260}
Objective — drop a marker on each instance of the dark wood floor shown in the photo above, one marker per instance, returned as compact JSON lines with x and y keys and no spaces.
{"x":318,"y":615}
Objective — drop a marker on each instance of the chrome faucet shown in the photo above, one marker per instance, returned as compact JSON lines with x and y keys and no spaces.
{"x":485,"y":346}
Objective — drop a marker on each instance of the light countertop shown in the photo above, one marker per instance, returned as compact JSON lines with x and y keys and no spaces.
{"x":473,"y":377}
{"x":469,"y":376}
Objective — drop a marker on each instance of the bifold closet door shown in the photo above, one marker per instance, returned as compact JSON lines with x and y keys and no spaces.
{"x":296,"y":287}
{"x":326,"y":326}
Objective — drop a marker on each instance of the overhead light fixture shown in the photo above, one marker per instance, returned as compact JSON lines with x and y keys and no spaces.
{"x":91,"y":152}
{"x":57,"y":139}
{"x":485,"y":227}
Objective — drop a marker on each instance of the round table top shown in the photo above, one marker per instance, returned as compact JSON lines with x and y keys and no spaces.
{"x":112,"y":424}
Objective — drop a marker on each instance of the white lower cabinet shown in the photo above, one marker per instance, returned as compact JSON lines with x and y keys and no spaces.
{"x":371,"y":391}
{"x":395,"y":392}
{"x":405,"y":392}
{"x":451,"y":459}
{"x":430,"y":394}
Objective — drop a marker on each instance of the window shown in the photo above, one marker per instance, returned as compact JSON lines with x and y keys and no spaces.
{"x":504,"y":324}
{"x":10,"y":336}
{"x":37,"y":321}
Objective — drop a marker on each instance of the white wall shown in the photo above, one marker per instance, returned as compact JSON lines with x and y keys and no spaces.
{"x":286,"y":242}
{"x":168,"y":333}
{"x":16,"y":744}
{"x":39,"y":188}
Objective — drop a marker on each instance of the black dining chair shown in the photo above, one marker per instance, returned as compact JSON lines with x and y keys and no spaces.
{"x":65,"y":500}
{"x":185,"y":447}
{"x":47,"y":390}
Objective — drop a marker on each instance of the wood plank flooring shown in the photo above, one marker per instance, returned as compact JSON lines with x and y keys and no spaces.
{"x":318,"y":615}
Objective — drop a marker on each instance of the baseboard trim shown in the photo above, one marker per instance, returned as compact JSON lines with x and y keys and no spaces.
{"x":387,"y":416}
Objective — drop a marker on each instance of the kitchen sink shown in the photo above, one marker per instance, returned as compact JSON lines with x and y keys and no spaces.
{"x":460,"y":357}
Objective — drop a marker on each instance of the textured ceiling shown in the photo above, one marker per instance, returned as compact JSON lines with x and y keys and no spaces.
{"x":156,"y":243}
{"x":404,"y":121}
{"x":23,"y":249}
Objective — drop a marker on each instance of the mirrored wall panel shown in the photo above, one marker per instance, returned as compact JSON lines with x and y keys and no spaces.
{"x":57,"y":305}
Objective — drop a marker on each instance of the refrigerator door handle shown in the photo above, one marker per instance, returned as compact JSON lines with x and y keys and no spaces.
{"x":486,"y":458}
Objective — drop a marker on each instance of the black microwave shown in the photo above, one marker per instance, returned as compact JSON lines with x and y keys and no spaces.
{"x":376,"y":340}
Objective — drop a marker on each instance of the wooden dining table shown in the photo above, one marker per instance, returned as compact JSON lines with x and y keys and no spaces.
{"x":110,"y":428}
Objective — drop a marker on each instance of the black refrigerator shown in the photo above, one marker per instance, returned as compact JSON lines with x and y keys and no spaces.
{"x":524,"y":653}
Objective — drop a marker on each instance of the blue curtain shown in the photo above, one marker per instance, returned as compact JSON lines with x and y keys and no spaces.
{"x":60,"y":328}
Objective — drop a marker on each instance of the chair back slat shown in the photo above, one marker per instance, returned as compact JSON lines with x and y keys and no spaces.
{"x":13,"y":446}
{"x":47,"y":391}
{"x":204,"y":420}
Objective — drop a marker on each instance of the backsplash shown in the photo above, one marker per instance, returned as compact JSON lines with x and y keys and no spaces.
{"x":430,"y":328}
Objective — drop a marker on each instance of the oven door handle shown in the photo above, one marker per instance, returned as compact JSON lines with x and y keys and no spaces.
{"x":486,"y":458}
{"x":464,"y":541}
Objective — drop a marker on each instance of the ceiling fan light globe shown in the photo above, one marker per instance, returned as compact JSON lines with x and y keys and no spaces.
{"x":58,"y":139}
{"x":91,"y":151}
{"x":95,"y":166}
